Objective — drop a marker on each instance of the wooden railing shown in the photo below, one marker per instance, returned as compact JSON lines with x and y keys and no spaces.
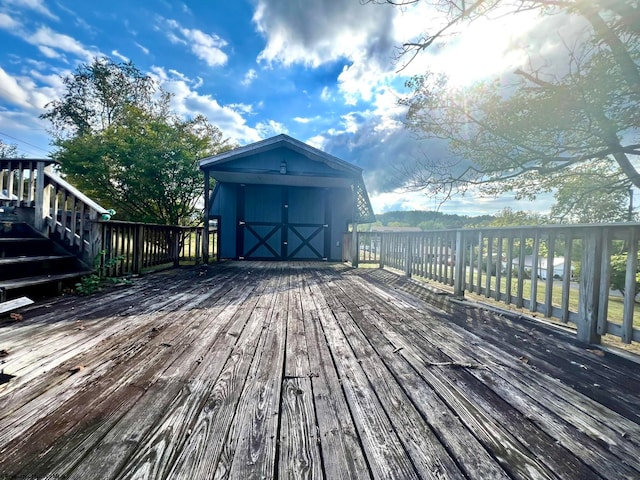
{"x":132,"y":248}
{"x":71,"y":217}
{"x":60,"y":211}
{"x":559,"y":271}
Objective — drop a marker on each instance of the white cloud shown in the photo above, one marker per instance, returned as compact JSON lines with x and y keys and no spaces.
{"x":8,"y":23}
{"x":303,"y":120}
{"x":187,"y":102}
{"x":325,"y":95}
{"x":117,"y":54}
{"x":270,"y":128}
{"x":144,"y":49}
{"x":34,"y":5}
{"x":249,"y":77}
{"x":49,"y":52}
{"x":207,"y":47}
{"x":24,"y":92}
{"x":47,"y":38}
{"x":12,"y":91}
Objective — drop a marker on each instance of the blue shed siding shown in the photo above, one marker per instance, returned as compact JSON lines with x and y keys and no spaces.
{"x":274,"y":222}
{"x":224,"y":207}
{"x":271,"y":161}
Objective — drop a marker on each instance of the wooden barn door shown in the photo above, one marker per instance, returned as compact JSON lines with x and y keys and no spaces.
{"x":307,"y":224}
{"x":260,"y":211}
{"x":282,"y":223}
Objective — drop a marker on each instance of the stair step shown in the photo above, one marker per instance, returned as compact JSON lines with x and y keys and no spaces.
{"x":40,"y":280}
{"x":27,"y":259}
{"x":23,"y":239}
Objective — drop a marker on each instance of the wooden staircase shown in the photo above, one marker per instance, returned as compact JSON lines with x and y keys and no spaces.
{"x":33,"y":264}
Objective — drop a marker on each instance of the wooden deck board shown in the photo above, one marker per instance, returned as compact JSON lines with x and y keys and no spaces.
{"x":304,"y":370}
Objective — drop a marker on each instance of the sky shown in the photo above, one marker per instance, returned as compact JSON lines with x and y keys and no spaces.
{"x":322,"y":71}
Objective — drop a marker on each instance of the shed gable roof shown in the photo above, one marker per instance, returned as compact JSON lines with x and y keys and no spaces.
{"x":273,"y":143}
{"x":236,"y":166}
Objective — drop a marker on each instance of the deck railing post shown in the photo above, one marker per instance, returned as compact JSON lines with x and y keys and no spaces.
{"x":589,"y":286}
{"x":458,"y":273}
{"x":138,"y":249}
{"x":207,"y":207}
{"x":40,"y":198}
{"x":355,"y":248}
{"x":408,"y":259}
{"x":381,"y":251}
{"x":177,"y":235}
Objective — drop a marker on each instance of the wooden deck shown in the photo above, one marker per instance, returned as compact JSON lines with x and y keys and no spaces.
{"x":275,"y":370}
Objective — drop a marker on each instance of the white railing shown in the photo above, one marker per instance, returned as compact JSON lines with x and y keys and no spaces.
{"x":60,"y":211}
{"x":71,"y":216}
{"x":563,"y":272}
{"x":53,"y":206}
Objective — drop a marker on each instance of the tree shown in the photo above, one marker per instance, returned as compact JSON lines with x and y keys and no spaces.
{"x":533,"y":134}
{"x":98,"y":95}
{"x":594,"y":193}
{"x":119,"y":144}
{"x":8,"y":150}
{"x":619,"y":274}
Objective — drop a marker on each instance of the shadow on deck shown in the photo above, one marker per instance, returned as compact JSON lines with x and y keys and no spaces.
{"x":275,"y":370}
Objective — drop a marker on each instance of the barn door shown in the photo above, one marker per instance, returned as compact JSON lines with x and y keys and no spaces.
{"x":282,"y":223}
{"x":307,"y":226}
{"x":260,"y":222}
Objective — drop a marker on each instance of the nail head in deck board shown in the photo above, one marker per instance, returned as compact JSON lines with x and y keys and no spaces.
{"x":299,"y":451}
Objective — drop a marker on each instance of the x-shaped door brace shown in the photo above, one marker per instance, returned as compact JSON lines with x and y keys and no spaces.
{"x":306,"y":241}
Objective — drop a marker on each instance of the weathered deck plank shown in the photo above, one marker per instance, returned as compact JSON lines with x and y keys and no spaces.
{"x":266,"y":370}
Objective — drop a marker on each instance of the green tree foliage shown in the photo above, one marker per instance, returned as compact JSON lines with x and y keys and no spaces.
{"x":508,"y":217}
{"x":428,"y":220}
{"x":533,"y":134}
{"x":619,"y":272}
{"x":99,"y":94}
{"x":119,"y":144}
{"x":595,"y":193}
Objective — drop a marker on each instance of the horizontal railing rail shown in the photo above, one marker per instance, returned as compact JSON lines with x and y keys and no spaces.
{"x":133,"y":248}
{"x":70,"y":216}
{"x":62,"y":212}
{"x":564,"y":272}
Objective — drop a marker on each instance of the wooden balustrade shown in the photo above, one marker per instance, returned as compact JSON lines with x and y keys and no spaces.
{"x":132,"y":248}
{"x":559,"y":271}
{"x":60,"y":211}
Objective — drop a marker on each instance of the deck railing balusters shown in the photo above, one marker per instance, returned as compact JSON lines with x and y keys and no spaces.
{"x":520,"y":265}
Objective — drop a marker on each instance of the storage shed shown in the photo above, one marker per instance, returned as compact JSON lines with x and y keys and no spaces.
{"x":281,"y":199}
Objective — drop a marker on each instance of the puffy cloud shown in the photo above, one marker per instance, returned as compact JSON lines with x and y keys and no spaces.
{"x":207,"y":47}
{"x":319,"y":31}
{"x":270,"y":128}
{"x":249,"y":77}
{"x":188,"y":102}
{"x":12,"y":90}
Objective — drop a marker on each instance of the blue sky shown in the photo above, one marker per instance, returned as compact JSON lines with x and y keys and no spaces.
{"x":322,"y":71}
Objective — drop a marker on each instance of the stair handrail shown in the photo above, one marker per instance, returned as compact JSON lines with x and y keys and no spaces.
{"x":72,"y":215}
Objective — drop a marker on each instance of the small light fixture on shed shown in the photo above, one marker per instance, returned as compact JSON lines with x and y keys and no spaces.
{"x":283,"y":167}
